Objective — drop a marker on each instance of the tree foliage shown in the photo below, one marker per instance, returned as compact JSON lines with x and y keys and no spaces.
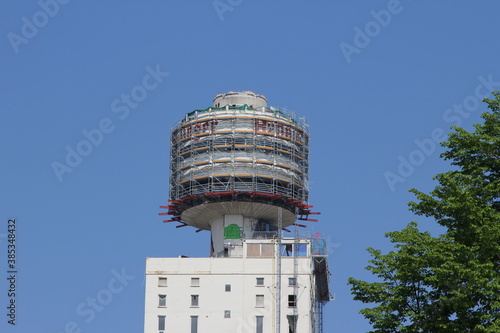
{"x":449,"y":283}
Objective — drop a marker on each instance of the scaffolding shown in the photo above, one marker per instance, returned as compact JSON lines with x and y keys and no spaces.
{"x":320,"y":293}
{"x":278,"y":272}
{"x":253,"y":161}
{"x":240,"y":153}
{"x":239,"y":149}
{"x":321,"y":275}
{"x":295,"y":280}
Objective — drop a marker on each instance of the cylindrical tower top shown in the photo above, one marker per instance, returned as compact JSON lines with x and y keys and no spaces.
{"x":233,"y":98}
{"x":239,"y":158}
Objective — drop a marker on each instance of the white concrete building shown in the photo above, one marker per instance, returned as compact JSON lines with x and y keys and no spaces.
{"x":240,"y":170}
{"x":238,"y":294}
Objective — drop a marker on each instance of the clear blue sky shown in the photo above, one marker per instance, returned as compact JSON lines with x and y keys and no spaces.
{"x":377,"y":80}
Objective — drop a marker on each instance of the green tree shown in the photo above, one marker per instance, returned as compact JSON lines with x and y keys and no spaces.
{"x":449,"y":283}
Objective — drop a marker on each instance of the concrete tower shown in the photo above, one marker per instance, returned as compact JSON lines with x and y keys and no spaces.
{"x":240,"y":169}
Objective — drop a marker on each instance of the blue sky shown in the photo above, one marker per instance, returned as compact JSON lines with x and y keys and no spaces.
{"x":379,"y":82}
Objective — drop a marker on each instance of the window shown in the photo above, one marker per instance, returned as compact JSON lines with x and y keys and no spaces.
{"x":162,"y":300}
{"x":289,"y":250}
{"x":162,"y":282}
{"x":161,"y":323}
{"x":253,"y":250}
{"x":227,"y":313}
{"x":267,"y":250}
{"x":194,"y":324}
{"x":292,"y":281}
{"x":259,"y":301}
{"x":194,"y":300}
{"x":260,"y":250}
{"x":260,"y":281}
{"x":292,"y":301}
{"x":301,"y":250}
{"x":195,"y":282}
{"x":259,"y":324}
{"x":292,"y":323}
{"x":228,"y":287}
